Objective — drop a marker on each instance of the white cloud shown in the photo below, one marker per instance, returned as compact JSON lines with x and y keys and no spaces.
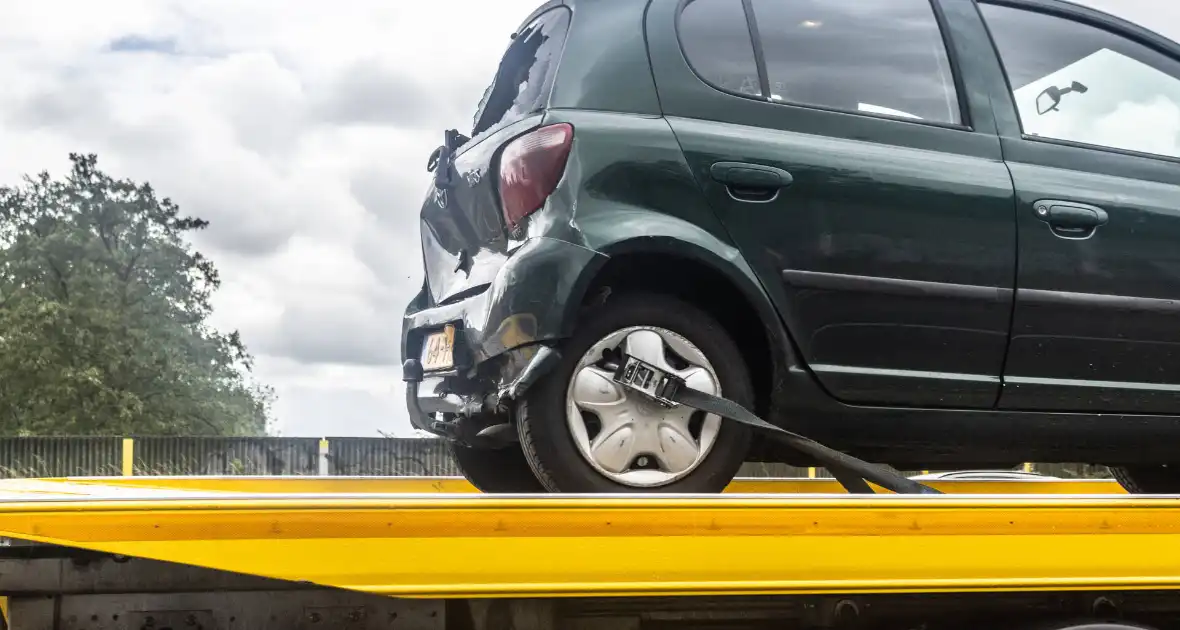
{"x":300,"y":129}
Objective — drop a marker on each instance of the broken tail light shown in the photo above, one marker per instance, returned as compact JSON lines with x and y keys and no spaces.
{"x":530,"y":168}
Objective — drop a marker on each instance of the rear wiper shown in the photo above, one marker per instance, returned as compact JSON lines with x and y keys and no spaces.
{"x":441,"y":160}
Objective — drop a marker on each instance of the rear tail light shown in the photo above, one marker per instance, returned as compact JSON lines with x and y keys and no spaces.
{"x":530,"y":168}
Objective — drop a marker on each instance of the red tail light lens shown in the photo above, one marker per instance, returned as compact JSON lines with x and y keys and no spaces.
{"x":530,"y":168}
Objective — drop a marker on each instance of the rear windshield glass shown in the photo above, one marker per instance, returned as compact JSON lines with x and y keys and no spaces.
{"x":525,"y":78}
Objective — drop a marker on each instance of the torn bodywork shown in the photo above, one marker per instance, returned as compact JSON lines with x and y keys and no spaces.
{"x":475,"y":411}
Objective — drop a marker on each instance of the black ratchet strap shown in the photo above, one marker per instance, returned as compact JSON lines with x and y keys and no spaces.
{"x":852,"y":473}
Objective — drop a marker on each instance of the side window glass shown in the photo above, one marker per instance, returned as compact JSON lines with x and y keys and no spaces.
{"x":1080,"y":83}
{"x":881,"y":57}
{"x":716,"y":41}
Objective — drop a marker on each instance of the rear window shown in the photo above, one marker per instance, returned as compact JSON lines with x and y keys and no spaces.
{"x":522,"y":84}
{"x":717,"y":44}
{"x":861,"y":56}
{"x":876,"y":57}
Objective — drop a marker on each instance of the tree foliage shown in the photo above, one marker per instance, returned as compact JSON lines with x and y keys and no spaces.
{"x":103,"y":316}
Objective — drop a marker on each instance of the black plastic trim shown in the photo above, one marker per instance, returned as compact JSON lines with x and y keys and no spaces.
{"x":894,"y":286}
{"x":756,"y":42}
{"x":1122,"y":303}
{"x":952,"y":59}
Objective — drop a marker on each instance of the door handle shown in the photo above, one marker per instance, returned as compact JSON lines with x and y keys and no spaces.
{"x":751,"y":182}
{"x":1069,"y":219}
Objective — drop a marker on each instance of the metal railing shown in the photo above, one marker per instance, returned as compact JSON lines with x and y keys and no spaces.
{"x":351,"y":456}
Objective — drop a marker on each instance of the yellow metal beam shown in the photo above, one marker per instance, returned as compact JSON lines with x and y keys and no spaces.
{"x":488,"y":546}
{"x":459,"y":485}
{"x":277,"y":485}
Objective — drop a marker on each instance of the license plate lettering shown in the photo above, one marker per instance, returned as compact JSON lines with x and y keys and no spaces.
{"x":439,"y":350}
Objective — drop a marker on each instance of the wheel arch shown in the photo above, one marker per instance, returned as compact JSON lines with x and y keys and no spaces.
{"x":714,"y":278}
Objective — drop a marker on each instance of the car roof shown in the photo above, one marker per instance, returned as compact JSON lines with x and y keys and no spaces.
{"x":1129,"y":16}
{"x":549,"y":4}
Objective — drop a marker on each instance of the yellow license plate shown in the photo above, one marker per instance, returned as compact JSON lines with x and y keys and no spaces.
{"x":439,"y":351}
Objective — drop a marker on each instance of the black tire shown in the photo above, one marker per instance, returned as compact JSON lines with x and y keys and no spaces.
{"x":1148,"y":479}
{"x":496,"y":471}
{"x":541,"y":416}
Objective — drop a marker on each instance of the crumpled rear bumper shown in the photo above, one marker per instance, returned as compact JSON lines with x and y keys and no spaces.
{"x":534,"y":299}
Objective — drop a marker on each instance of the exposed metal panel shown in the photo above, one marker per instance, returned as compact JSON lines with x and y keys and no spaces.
{"x":59,"y":456}
{"x":390,"y":456}
{"x":49,"y":570}
{"x":261,"y":610}
{"x":341,"y":610}
{"x":226,"y":456}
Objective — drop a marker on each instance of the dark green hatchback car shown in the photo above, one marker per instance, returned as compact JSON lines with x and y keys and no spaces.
{"x":929,"y":233}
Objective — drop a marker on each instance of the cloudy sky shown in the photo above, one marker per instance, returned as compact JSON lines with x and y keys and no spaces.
{"x":300,"y":129}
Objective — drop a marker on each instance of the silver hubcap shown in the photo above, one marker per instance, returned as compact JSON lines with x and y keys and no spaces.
{"x":627,"y":437}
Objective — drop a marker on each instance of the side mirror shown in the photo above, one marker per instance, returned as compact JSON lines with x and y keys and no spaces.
{"x":1052,"y":96}
{"x":1048,"y":100}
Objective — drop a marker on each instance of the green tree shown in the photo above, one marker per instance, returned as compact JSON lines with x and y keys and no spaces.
{"x":103,"y":316}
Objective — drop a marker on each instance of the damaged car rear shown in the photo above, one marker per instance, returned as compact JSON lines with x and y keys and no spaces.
{"x":522,"y":232}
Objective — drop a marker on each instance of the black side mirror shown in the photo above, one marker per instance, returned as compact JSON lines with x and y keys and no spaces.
{"x":1053,"y":94}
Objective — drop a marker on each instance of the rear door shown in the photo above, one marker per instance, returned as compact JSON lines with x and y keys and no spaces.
{"x":1090,"y":128}
{"x":859,"y":177}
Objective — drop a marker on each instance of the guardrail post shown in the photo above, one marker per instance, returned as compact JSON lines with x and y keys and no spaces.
{"x":128,"y":457}
{"x":324,"y":451}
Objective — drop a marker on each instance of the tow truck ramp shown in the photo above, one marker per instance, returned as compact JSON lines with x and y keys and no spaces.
{"x":260,"y":553}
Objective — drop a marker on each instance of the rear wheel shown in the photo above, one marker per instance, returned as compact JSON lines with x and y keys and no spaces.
{"x":1161,"y":479}
{"x":582,"y":432}
{"x":496,"y":471}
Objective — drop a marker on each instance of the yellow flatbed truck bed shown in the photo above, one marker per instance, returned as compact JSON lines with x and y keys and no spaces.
{"x":433,"y":553}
